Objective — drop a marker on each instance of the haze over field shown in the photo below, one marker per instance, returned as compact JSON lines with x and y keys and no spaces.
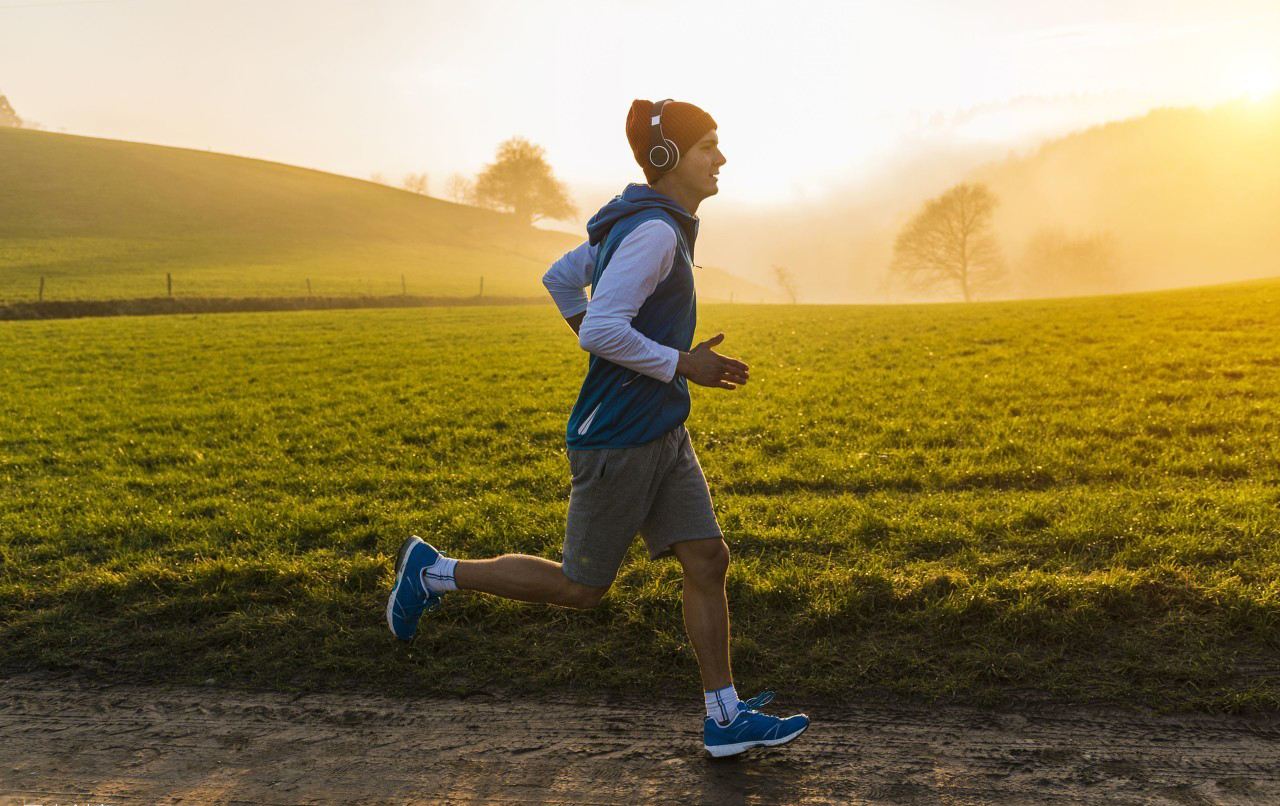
{"x":1186,"y":196}
{"x":838,"y":119}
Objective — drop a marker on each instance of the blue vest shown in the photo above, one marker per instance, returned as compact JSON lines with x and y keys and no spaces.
{"x":618,"y":407}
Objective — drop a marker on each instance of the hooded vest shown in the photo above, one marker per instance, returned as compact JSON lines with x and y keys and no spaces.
{"x":618,"y":407}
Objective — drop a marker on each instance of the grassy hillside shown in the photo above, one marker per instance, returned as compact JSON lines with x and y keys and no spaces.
{"x":1075,"y":498}
{"x":108,"y":219}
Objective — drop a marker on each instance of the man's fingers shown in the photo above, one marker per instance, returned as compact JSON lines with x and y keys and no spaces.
{"x":726,"y":361}
{"x":728,"y":365}
{"x":724,"y":385}
{"x":713,"y":341}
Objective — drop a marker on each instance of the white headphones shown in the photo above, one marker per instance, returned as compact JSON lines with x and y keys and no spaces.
{"x":663,"y":153}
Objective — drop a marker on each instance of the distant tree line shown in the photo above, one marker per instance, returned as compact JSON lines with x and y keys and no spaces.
{"x":950,"y":243}
{"x":9,"y":118}
{"x":519,"y":181}
{"x":415,"y":183}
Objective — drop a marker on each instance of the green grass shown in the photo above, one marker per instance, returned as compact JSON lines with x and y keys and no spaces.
{"x":1074,"y":498}
{"x":104,"y":219}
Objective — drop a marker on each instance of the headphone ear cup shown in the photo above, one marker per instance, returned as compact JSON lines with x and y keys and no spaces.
{"x":660,"y":156}
{"x":675,"y":151}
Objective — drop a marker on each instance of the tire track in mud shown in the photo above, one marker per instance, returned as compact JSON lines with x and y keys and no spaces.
{"x":64,"y":740}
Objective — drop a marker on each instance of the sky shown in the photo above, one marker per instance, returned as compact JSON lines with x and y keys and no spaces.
{"x":808,"y":96}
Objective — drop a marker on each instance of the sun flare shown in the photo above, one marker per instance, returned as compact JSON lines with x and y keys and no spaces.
{"x":1256,"y":77}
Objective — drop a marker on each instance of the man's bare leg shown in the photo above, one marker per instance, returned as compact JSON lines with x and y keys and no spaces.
{"x":527,"y":578}
{"x":706,"y":608}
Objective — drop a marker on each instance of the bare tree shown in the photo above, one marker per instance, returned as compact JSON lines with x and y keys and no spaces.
{"x":8,"y":118}
{"x":520,"y":181}
{"x":460,"y":189}
{"x":415,"y":183}
{"x":378,"y":177}
{"x":786,"y":281}
{"x":950,"y":240}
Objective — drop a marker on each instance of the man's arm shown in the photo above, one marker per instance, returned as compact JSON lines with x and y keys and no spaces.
{"x":641,"y":261}
{"x":566,"y":280}
{"x":575,"y":322}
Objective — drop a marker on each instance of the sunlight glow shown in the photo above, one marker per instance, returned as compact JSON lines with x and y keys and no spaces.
{"x":1255,"y":76}
{"x":811,"y":98}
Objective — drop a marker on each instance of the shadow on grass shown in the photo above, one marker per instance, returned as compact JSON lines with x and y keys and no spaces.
{"x":316,"y":622}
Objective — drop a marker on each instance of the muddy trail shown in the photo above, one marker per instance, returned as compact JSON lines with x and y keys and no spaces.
{"x":64,"y":740}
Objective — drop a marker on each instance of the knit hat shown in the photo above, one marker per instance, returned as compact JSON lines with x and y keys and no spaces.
{"x":683,"y":124}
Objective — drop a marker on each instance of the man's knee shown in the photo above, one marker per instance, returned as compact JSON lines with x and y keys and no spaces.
{"x":579,"y":596}
{"x":704,"y":561}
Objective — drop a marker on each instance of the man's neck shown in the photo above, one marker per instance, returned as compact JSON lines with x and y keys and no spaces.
{"x":682,"y":196}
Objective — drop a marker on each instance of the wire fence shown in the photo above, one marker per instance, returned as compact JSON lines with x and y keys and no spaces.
{"x":172,"y":301}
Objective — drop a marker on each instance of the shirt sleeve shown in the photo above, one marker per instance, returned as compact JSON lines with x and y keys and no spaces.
{"x":569,"y":276}
{"x":641,"y":261}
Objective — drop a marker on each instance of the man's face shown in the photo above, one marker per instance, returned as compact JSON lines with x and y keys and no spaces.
{"x":699,"y":166}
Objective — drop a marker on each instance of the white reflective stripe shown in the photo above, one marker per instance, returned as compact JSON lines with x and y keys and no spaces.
{"x":582,"y":429}
{"x":654,"y":120}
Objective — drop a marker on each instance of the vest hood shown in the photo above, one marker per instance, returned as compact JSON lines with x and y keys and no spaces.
{"x":633,"y":199}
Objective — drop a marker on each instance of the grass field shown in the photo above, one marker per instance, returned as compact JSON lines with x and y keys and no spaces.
{"x":1074,"y":498}
{"x":104,"y":219}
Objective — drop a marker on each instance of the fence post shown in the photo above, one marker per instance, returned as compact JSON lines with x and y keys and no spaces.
{"x":404,"y":289}
{"x":168,"y":281}
{"x":308,"y":286}
{"x":481,"y":294}
{"x":42,"y":288}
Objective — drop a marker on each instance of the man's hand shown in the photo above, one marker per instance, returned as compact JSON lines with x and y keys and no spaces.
{"x":705,"y":367}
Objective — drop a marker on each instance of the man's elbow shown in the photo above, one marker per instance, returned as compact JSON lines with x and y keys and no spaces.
{"x":594,"y":336}
{"x":588,"y":336}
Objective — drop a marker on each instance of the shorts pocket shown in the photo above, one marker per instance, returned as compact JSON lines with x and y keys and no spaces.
{"x":586,"y":466}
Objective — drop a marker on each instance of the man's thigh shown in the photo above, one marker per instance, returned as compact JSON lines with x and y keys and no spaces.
{"x":681,"y":509}
{"x":610,"y":496}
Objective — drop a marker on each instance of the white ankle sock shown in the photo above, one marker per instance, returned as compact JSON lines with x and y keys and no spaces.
{"x":438,"y":577}
{"x":722,"y":704}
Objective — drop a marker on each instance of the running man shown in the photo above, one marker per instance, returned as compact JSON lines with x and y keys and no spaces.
{"x":634,"y":469}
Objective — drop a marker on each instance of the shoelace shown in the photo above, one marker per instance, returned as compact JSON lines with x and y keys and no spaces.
{"x":759,"y":701}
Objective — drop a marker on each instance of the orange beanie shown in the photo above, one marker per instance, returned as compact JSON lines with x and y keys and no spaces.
{"x":683,"y":124}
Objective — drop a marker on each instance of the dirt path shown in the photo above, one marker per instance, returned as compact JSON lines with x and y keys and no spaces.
{"x":67,"y":741}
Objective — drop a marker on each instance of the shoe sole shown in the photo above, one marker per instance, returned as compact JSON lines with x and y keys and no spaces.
{"x":405,"y":548}
{"x":723,"y":750}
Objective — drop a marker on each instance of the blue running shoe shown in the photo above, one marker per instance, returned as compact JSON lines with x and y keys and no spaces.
{"x":409,"y":598}
{"x":750,"y":728}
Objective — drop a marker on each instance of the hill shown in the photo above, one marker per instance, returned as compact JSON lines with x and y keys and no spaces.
{"x":1186,"y":196}
{"x":109,"y":219}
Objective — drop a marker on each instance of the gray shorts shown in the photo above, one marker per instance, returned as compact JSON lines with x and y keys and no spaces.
{"x":656,"y":489}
